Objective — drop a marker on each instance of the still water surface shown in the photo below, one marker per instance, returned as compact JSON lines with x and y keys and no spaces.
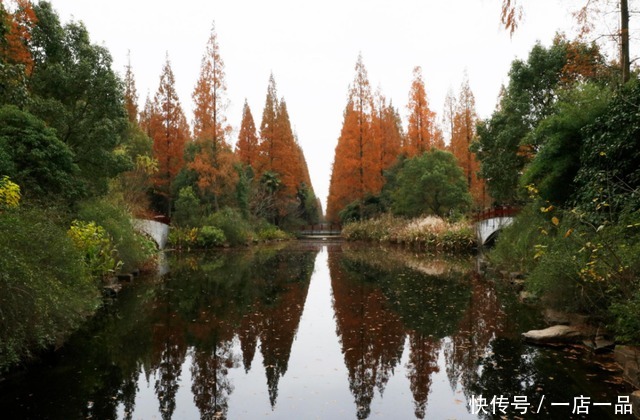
{"x":309,"y":330}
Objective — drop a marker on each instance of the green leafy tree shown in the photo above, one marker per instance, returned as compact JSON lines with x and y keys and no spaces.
{"x":76,"y":92}
{"x":561,"y":137}
{"x":609,"y":177}
{"x":431,"y":183}
{"x":504,"y":144}
{"x":32,"y":155}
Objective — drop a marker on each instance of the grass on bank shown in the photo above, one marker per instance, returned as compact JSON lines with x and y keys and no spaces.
{"x":431,"y":233}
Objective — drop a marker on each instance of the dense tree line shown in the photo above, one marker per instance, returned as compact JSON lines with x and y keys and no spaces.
{"x":379,"y":166}
{"x":563,"y":144}
{"x":79,"y":160}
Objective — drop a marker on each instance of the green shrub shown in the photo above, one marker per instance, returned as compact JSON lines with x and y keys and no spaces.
{"x":187,"y":211}
{"x":9,"y":193}
{"x":210,"y":236}
{"x":626,"y":322}
{"x":236,"y":229}
{"x":133,"y":248}
{"x":518,"y":243}
{"x":271,"y":233}
{"x":97,"y":247}
{"x":45,"y":289}
{"x":183,"y":238}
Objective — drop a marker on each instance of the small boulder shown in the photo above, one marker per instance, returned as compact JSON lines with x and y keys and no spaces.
{"x":558,"y":334}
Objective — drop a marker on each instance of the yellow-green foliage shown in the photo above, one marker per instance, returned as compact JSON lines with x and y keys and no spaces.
{"x":96,"y":245}
{"x":9,"y":193}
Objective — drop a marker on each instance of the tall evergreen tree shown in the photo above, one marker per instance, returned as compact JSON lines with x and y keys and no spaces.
{"x":356,"y":165}
{"x":422,"y":131}
{"x":213,"y":161}
{"x":130,"y":92}
{"x":463,"y":133}
{"x":169,"y":130}
{"x":247,"y":147}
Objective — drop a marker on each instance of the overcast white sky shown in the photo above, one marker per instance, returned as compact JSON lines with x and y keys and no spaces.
{"x":312,"y":48}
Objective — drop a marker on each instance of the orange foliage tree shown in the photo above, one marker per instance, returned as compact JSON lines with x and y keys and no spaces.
{"x":387,"y":132}
{"x":357,"y":164}
{"x":422,"y":132}
{"x":280,"y":154}
{"x":462,"y":134}
{"x":167,"y":126}
{"x":214,"y":159}
{"x":15,"y":47}
{"x":247,"y":145}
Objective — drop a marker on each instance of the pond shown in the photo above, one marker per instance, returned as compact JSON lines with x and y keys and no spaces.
{"x":313,"y":329}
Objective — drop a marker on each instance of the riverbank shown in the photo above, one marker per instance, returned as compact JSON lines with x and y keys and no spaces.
{"x":270,"y":323}
{"x":429,"y":233}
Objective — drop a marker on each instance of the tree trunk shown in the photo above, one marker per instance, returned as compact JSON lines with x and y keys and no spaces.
{"x":624,"y":40}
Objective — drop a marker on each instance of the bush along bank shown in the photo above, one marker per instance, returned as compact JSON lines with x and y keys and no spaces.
{"x":224,"y":228}
{"x":573,"y":262}
{"x":53,"y":268}
{"x":429,"y":233}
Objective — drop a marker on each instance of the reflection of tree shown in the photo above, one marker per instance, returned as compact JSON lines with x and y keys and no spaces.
{"x":210,"y":385}
{"x":248,"y":335}
{"x":287,"y":284}
{"x":168,"y":374}
{"x":128,"y":394}
{"x":168,"y":355}
{"x":479,"y":325}
{"x":372,"y":335}
{"x":423,"y":362}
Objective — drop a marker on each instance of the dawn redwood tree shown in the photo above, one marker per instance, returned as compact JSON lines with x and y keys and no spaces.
{"x":448,"y":114}
{"x":268,"y":131}
{"x":422,"y":131}
{"x":247,"y":146}
{"x":16,"y":61}
{"x":285,"y":159}
{"x":356,"y":164}
{"x":463,"y":132}
{"x":18,"y":27}
{"x":280,"y":155}
{"x":209,"y":95}
{"x":169,"y":130}
{"x":130,"y":93}
{"x":387,"y":132}
{"x":214,"y":159}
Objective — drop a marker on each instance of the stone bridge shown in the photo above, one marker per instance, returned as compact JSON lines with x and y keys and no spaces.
{"x":490,"y":222}
{"x":321,"y":230}
{"x":157,"y":231}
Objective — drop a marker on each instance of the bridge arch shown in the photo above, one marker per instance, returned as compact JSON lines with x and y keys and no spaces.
{"x":490,"y":222}
{"x":157,"y":231}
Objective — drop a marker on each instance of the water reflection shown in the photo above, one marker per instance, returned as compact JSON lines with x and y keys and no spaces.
{"x":380,"y":300}
{"x":302,"y":330}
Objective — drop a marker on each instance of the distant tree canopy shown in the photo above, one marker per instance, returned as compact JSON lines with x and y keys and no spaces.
{"x":431,"y":183}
